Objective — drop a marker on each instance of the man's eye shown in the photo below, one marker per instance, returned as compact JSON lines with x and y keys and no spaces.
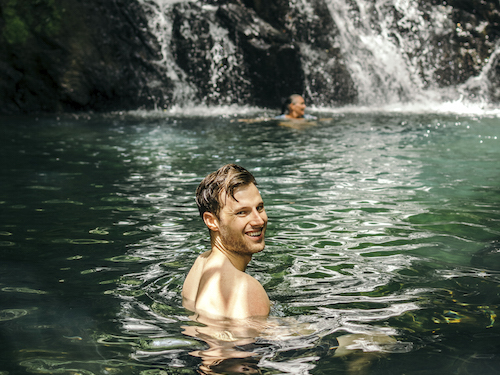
{"x":260,"y":208}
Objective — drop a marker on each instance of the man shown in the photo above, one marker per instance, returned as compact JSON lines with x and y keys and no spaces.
{"x":217,"y":285}
{"x":294,"y":109}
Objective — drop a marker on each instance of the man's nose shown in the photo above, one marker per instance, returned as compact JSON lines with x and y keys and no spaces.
{"x":257,"y":218}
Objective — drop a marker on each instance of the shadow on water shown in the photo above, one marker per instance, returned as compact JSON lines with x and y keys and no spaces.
{"x":488,"y":258}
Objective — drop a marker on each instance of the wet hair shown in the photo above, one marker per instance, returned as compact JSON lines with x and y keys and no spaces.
{"x":227,"y":179}
{"x":285,"y":108}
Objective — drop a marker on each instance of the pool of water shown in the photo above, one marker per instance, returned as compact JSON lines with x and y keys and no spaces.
{"x":383,"y":228}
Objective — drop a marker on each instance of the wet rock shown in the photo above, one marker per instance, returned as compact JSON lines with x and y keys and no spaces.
{"x":70,"y":55}
{"x":212,"y":63}
{"x":462,"y":51}
{"x":273,"y":60}
{"x":287,"y":57}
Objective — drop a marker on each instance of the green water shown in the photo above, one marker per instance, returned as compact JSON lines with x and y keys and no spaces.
{"x":378,"y":224}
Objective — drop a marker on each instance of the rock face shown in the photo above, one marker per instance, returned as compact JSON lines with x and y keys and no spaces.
{"x":70,"y":55}
{"x":75,"y":55}
{"x":231,"y":54}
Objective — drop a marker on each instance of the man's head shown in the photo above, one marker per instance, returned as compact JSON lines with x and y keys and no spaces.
{"x":219,"y":185}
{"x":232,"y":208}
{"x":294,"y":106}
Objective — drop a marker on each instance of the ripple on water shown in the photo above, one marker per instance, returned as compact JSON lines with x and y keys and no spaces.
{"x":126,"y":258}
{"x":114,"y":199}
{"x":10,"y":314}
{"x":39,"y":187}
{"x":102,"y":231}
{"x":156,"y":196}
{"x":80,"y":241}
{"x":12,"y":289}
{"x":51,"y":366}
{"x":62,"y":201}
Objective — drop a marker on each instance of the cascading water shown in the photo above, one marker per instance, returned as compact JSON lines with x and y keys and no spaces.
{"x":160,"y":24}
{"x":479,"y":88}
{"x":395,"y":51}
{"x":375,"y":52}
{"x":220,"y":72}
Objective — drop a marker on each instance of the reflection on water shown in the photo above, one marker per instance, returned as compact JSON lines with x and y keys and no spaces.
{"x":382,"y":251}
{"x":235,"y":347}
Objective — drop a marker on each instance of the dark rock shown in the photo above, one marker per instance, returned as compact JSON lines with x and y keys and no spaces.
{"x":464,"y":50}
{"x":68,"y":55}
{"x":212,"y":63}
{"x":279,"y":57}
{"x":274,"y":66}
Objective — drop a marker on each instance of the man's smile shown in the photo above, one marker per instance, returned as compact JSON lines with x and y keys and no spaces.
{"x":254,"y":233}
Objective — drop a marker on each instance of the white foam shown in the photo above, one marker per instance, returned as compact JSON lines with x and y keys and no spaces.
{"x":202,"y":110}
{"x":456,"y":107}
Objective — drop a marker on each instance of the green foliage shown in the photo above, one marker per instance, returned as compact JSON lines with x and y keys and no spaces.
{"x":23,"y":19}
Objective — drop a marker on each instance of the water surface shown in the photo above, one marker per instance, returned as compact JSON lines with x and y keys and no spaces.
{"x":382,"y":224}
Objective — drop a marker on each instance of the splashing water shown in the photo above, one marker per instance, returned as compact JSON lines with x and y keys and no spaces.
{"x":396,"y":51}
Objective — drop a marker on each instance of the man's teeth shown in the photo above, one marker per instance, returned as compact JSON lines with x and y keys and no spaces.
{"x":255,"y":234}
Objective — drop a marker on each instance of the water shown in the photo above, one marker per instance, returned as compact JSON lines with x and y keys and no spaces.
{"x":384,"y":224}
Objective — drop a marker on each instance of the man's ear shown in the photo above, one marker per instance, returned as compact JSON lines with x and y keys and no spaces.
{"x":211,"y":221}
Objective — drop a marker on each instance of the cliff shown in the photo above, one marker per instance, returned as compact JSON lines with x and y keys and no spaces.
{"x":68,"y":55}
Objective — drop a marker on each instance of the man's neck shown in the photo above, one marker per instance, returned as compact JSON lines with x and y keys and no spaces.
{"x":239,"y":261}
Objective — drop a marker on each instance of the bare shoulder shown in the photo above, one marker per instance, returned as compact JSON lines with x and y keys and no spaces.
{"x":200,"y":262}
{"x":231,"y":294}
{"x":191,"y":284}
{"x":215,"y":288}
{"x":252,"y":298}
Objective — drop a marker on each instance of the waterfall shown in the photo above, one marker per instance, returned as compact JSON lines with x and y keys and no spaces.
{"x":395,"y":51}
{"x":374,"y":51}
{"x":480,"y":88}
{"x":219,"y":79}
{"x":392,"y":48}
{"x":160,"y":24}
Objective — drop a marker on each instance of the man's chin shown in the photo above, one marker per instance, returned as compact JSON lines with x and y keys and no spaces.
{"x":260,"y":246}
{"x":255,"y":247}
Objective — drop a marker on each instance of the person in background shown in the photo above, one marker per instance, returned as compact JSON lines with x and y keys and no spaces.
{"x":293,"y":109}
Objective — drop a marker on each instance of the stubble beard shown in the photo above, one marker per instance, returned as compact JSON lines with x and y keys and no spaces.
{"x":237,"y":243}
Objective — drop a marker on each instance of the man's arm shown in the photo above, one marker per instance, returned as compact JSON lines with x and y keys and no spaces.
{"x":257,"y":299}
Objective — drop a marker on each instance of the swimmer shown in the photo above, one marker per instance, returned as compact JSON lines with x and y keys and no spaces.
{"x":293,"y":109}
{"x":233,"y":211}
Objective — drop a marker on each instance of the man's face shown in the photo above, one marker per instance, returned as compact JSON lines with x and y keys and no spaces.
{"x":298,"y":107}
{"x":243,"y":222}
